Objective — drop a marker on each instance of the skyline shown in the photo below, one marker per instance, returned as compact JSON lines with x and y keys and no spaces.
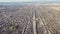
{"x":29,"y":0}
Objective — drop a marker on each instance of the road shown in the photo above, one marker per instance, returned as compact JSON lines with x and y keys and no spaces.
{"x":29,"y":20}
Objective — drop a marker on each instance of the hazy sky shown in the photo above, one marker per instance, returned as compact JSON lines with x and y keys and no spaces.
{"x":27,"y":0}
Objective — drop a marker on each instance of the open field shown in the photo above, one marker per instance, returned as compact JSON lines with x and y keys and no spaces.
{"x":56,"y":8}
{"x":29,"y":19}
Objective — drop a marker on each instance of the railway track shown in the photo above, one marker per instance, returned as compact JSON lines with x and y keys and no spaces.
{"x":42,"y":23}
{"x":43,"y":27}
